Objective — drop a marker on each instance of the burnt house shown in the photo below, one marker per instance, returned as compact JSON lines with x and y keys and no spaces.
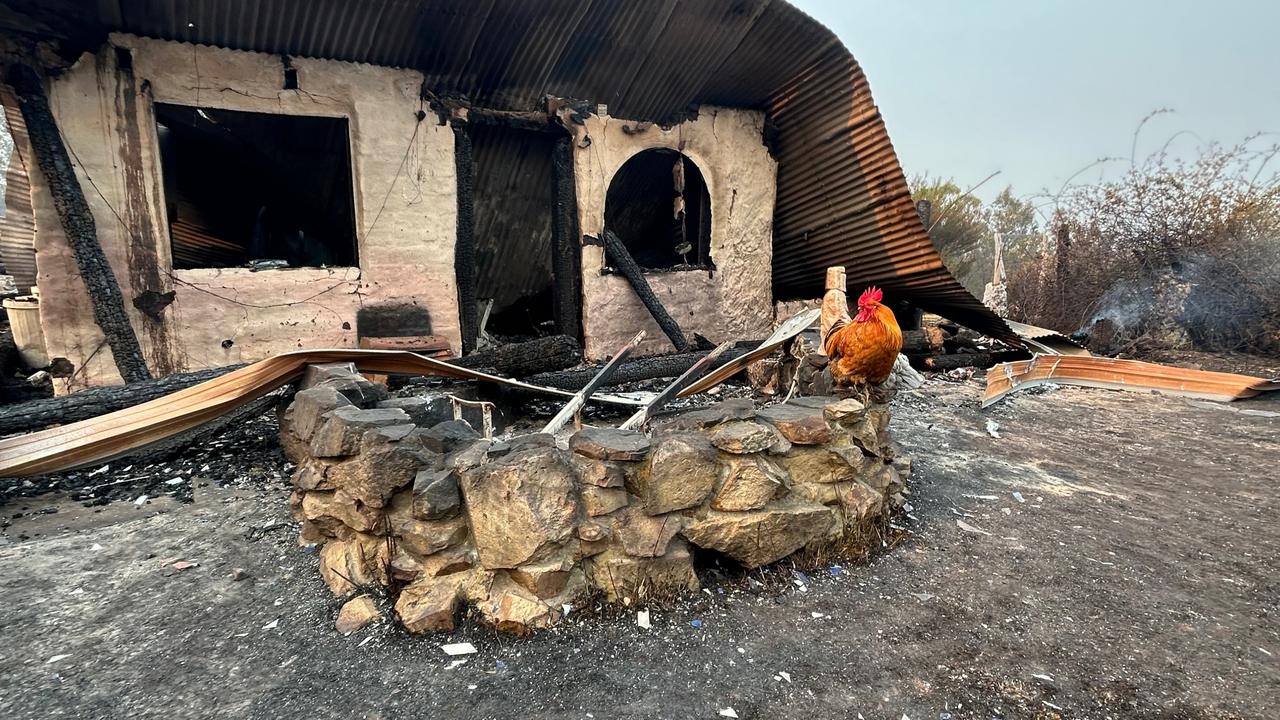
{"x":265,"y":177}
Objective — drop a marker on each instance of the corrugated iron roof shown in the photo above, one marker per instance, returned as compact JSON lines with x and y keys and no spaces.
{"x":842,"y":197}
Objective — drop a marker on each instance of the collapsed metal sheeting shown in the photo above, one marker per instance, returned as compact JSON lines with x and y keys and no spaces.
{"x":787,"y":330}
{"x":1046,"y":341}
{"x":102,"y":438}
{"x":1113,"y":374}
{"x":842,"y":198}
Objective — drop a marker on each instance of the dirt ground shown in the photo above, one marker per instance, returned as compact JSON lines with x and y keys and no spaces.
{"x":1110,"y":555}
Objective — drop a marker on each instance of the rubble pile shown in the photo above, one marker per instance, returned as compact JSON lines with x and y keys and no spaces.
{"x":438,"y":518}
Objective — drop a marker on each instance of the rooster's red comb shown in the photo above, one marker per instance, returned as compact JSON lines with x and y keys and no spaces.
{"x":871,"y":294}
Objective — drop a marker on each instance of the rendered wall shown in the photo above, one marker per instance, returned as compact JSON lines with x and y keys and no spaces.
{"x":403,"y":173}
{"x":732,"y":302}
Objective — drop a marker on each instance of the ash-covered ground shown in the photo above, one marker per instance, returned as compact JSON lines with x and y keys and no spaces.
{"x":1109,"y":555}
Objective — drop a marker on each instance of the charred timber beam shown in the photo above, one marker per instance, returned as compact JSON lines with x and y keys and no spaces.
{"x":942,"y":363}
{"x":620,"y":259}
{"x":37,"y":414}
{"x":464,"y":254}
{"x":519,"y":360}
{"x":566,"y":245}
{"x":650,"y":368}
{"x":78,"y":225}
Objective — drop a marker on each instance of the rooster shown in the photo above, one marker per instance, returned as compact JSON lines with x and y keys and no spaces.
{"x":862,"y":350}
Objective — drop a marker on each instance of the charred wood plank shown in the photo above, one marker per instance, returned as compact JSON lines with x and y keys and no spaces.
{"x":547,"y":354}
{"x":649,"y":368}
{"x":36,"y":414}
{"x":598,"y":381}
{"x":566,"y":245}
{"x":464,"y":253}
{"x":78,"y":224}
{"x":942,"y":363}
{"x":620,"y":259}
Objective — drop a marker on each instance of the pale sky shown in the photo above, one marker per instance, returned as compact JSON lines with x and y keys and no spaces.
{"x":1038,"y":89}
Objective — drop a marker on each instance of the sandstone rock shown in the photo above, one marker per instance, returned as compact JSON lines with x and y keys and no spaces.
{"x":724,"y":411}
{"x":436,"y":495}
{"x":320,"y":372}
{"x":620,"y":576}
{"x":643,"y":535}
{"x":884,"y":479}
{"x":428,"y":605}
{"x":902,"y":464}
{"x":679,"y":473}
{"x":448,"y":436}
{"x":864,"y":434}
{"x":423,"y":411}
{"x":308,"y":407}
{"x":358,"y":389}
{"x":311,"y":474}
{"x":859,"y":502}
{"x":521,"y":507}
{"x":845,"y":412}
{"x":521,"y":443}
{"x":817,"y":493}
{"x":331,"y":510}
{"x":742,"y":437}
{"x":348,"y":564}
{"x":797,"y":423}
{"x":423,"y":537}
{"x":342,"y":429}
{"x":511,"y":608}
{"x":819,"y":465}
{"x":591,"y":532}
{"x":469,"y":456}
{"x":447,"y":562}
{"x":597,"y":472}
{"x":602,"y":501}
{"x":749,"y":483}
{"x":610,"y":444}
{"x":356,"y":614}
{"x":382,"y":467}
{"x":546,"y":579}
{"x":764,"y":536}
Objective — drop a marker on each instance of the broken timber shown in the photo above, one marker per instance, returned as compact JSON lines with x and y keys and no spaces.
{"x":554,"y":352}
{"x":647,"y":368}
{"x":575,"y":404}
{"x":125,"y":431}
{"x":642,"y":415}
{"x":78,"y":225}
{"x":622,"y":261}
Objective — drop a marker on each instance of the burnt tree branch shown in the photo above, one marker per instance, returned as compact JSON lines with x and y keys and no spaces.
{"x":78,"y":225}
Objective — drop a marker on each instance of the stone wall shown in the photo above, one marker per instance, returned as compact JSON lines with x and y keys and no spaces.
{"x":436,"y":518}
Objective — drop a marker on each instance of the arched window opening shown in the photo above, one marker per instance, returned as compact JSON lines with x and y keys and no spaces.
{"x":658,"y":205}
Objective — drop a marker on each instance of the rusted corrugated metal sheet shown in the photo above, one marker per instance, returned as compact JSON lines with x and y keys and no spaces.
{"x":1045,"y":340}
{"x":842,"y":197}
{"x":18,"y":226}
{"x":1113,"y":374}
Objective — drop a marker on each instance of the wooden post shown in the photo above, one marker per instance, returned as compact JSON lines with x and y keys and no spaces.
{"x":78,"y":225}
{"x":835,"y":304}
{"x":566,"y":243}
{"x":625,"y":264}
{"x":464,"y":254}
{"x":570,"y":410}
{"x":641,"y":416}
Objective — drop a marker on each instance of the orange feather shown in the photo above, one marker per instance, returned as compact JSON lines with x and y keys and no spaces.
{"x":865,"y":349}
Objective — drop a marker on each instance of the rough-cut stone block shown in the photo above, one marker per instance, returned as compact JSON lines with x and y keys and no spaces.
{"x":610,"y":444}
{"x":511,"y":608}
{"x":845,"y":412}
{"x":620,"y":576}
{"x":764,"y":536}
{"x":382,"y":467}
{"x":520,"y":443}
{"x":797,"y":423}
{"x":449,"y":436}
{"x":422,"y":537}
{"x":602,"y":501}
{"x":428,"y":605}
{"x":721,"y":412}
{"x":521,"y":508}
{"x":356,"y":614}
{"x":680,"y":472}
{"x":545,"y":579}
{"x":859,"y":502}
{"x":424,"y":411}
{"x":864,"y":434}
{"x":819,"y":465}
{"x":436,"y":495}
{"x":743,"y":437}
{"x":642,"y":535}
{"x":749,"y":483}
{"x":358,"y":389}
{"x":346,"y":564}
{"x":311,"y":474}
{"x":333,"y":510}
{"x":469,"y":456}
{"x":598,"y":472}
{"x":320,"y":372}
{"x":308,"y":408}
{"x":340,"y":433}
{"x":883,"y":478}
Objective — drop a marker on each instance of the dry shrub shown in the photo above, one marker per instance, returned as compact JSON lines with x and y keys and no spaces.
{"x":1172,"y":255}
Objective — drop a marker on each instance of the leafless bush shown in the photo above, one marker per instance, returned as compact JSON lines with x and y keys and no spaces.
{"x":1174,"y":254}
